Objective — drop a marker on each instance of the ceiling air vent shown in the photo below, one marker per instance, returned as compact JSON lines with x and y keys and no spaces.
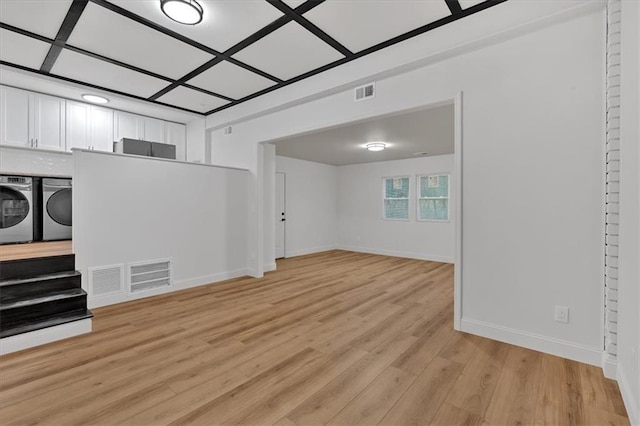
{"x":149,"y":275}
{"x":104,"y":280}
{"x":365,"y":92}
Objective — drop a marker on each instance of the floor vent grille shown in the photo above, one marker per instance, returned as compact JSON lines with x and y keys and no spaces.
{"x":104,"y":280}
{"x":149,"y":275}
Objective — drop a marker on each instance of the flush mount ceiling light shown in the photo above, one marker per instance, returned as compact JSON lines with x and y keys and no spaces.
{"x":187,"y":12}
{"x":375,"y":146}
{"x":95,"y":99}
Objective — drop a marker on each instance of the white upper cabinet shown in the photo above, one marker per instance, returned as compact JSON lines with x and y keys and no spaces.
{"x":14,"y":117}
{"x":129,"y":126}
{"x":101,"y":129}
{"x":78,"y":125}
{"x":89,"y":127}
{"x":176,"y":134}
{"x":49,"y":122}
{"x":154,"y":130}
{"x":31,"y":120}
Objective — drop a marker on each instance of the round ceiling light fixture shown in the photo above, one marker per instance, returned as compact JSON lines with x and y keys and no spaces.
{"x":188,"y":12}
{"x":375,"y":146}
{"x":95,"y":99}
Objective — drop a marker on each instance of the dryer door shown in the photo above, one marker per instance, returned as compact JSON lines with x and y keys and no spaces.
{"x":14,"y":207}
{"x":59,"y":206}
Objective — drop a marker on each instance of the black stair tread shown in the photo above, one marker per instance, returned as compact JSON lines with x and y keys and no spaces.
{"x":9,"y":330}
{"x":38,"y":278}
{"x":25,"y":268}
{"x":31,"y":300}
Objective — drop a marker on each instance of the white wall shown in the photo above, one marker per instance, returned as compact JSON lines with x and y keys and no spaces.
{"x":34,"y":162}
{"x":532,"y":158}
{"x":196,"y":151}
{"x":311,"y":206}
{"x":361,"y":227}
{"x":629,"y":255}
{"x":129,"y":209}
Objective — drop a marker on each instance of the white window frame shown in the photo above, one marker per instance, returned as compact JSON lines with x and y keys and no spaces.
{"x":448,"y":197}
{"x":384,"y":198}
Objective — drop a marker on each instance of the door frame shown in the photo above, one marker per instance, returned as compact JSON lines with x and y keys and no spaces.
{"x":284,"y":195}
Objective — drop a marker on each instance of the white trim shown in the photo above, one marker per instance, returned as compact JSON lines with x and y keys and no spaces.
{"x":310,"y":250}
{"x":609,"y":366}
{"x":97,"y":302}
{"x":23,"y":341}
{"x":633,"y":410}
{"x":536,"y":342}
{"x":270,"y":267}
{"x":457,"y":195}
{"x":396,"y":253}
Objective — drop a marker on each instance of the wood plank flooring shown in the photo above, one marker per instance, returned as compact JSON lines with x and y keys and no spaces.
{"x":334,"y":338}
{"x":32,"y":250}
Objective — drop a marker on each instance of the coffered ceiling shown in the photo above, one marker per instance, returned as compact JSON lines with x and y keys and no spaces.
{"x":241,"y":49}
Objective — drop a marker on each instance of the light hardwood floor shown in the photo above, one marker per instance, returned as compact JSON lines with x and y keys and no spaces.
{"x":32,"y":250}
{"x":334,"y":338}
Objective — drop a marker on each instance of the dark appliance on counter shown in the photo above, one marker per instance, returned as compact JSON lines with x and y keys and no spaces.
{"x":145,"y":148}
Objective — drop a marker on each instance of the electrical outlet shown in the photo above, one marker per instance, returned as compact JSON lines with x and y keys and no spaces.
{"x":562,"y":314}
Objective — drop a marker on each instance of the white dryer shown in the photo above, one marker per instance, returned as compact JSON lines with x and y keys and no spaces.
{"x":56,"y":217}
{"x":16,"y":209}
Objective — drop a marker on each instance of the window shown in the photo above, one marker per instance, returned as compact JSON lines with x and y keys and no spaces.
{"x":396,"y":198}
{"x":433,"y":197}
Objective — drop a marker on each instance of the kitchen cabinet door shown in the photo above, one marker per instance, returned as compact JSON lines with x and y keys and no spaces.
{"x":154,"y":130}
{"x":177,"y":135}
{"x":78,"y":125}
{"x":101,"y":129}
{"x":49,"y":122}
{"x":14,"y":117}
{"x":128,"y":126}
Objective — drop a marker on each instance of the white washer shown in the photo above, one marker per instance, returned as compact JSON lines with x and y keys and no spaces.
{"x":16,"y":215}
{"x":56,"y":202}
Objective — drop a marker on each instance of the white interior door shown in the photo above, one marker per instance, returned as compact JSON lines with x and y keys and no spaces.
{"x":281,"y":216}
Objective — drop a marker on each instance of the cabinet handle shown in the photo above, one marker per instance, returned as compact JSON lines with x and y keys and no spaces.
{"x":31,"y":142}
{"x":36,"y":142}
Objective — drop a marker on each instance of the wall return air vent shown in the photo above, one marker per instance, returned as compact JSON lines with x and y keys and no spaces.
{"x":105,"y":280}
{"x":144,"y":276}
{"x":365,"y":92}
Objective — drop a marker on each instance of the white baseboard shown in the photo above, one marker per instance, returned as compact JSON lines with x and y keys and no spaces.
{"x":46,"y":335}
{"x":395,"y":253}
{"x":537,"y":342}
{"x":270,"y":267}
{"x":630,"y":402}
{"x":112,"y":299}
{"x":609,"y":366}
{"x":310,"y":250}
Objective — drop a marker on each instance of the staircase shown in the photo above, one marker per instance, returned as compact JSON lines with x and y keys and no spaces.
{"x":39,"y":293}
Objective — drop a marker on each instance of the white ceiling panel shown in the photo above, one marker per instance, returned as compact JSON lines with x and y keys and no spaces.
{"x":361,"y":24}
{"x":429,"y":131}
{"x":109,"y":34}
{"x":86,"y":69}
{"x":294,"y":3}
{"x":230,"y":80}
{"x":42,"y":17}
{"x":288,"y":52}
{"x":465,"y":4}
{"x":22,"y":50}
{"x":191,"y":99}
{"x":224,"y":23}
